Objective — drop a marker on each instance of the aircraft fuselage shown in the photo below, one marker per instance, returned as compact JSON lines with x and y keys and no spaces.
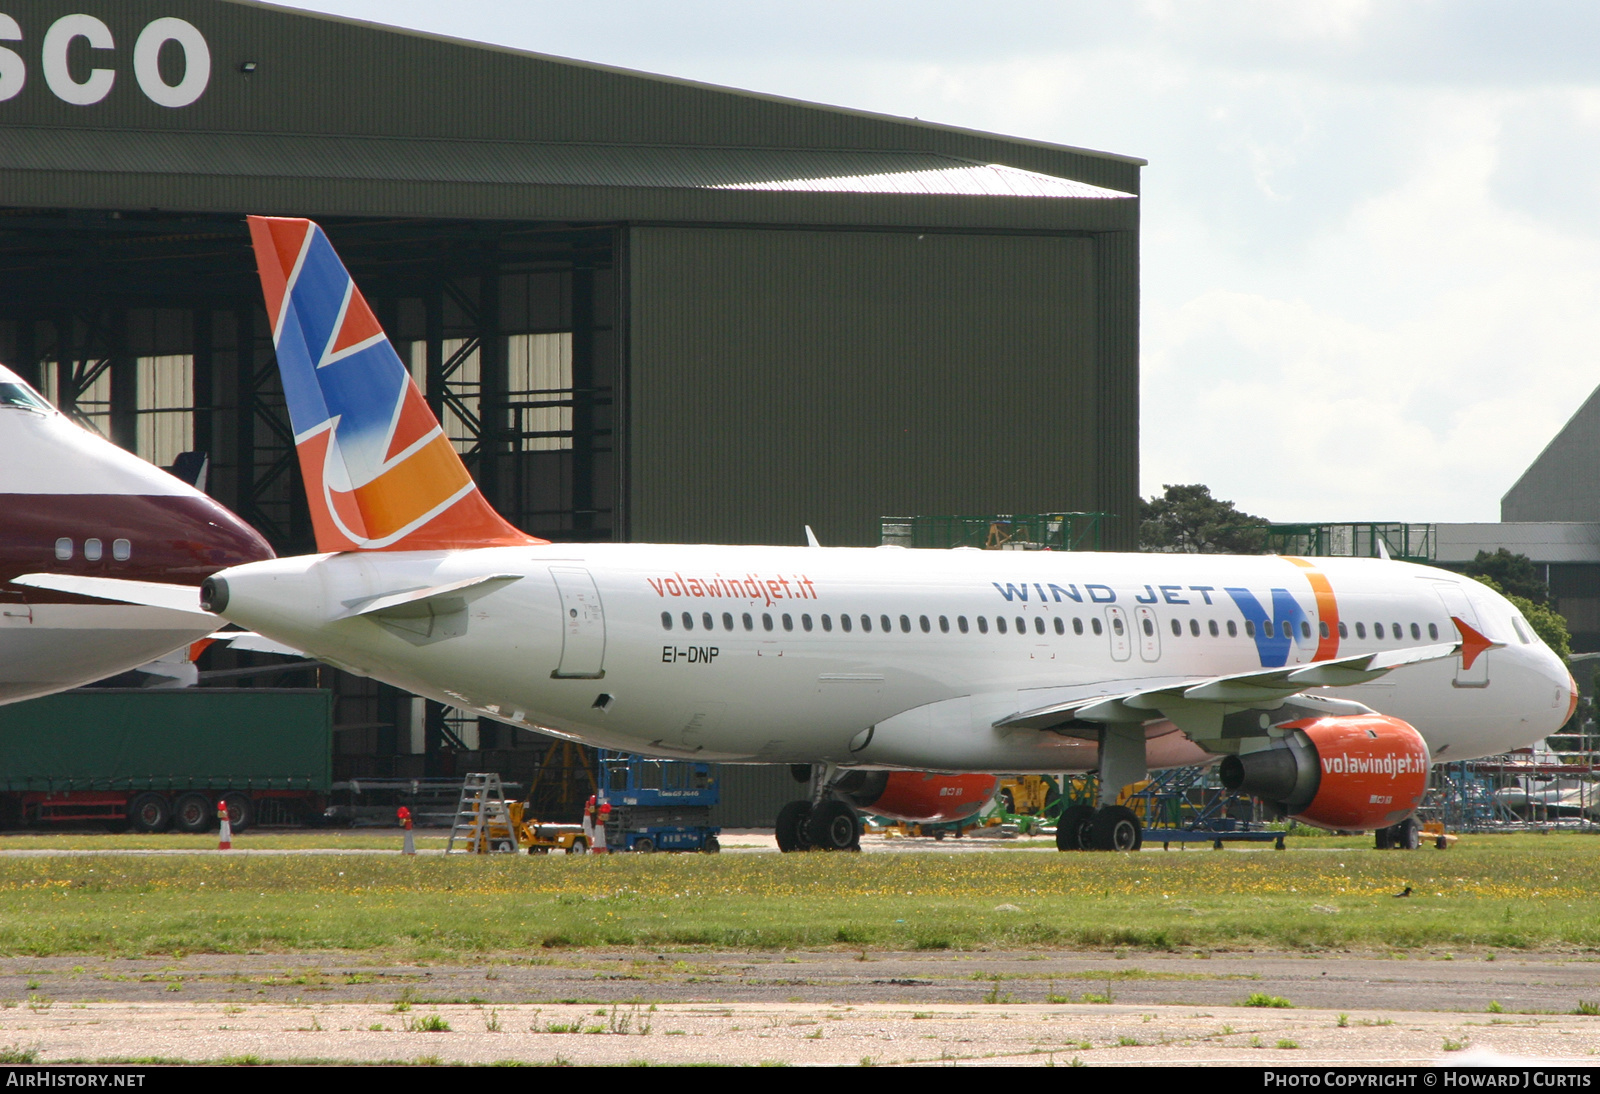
{"x":890,"y":657}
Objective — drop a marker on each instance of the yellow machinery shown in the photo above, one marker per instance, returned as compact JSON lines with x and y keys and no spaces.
{"x":539,"y":839}
{"x":1027,"y":794}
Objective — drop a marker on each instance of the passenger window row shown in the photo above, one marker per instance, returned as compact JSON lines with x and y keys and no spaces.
{"x":93,"y":549}
{"x":886,"y":624}
{"x":848,"y":623}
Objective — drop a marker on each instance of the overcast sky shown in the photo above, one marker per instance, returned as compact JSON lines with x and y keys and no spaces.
{"x":1371,"y":230}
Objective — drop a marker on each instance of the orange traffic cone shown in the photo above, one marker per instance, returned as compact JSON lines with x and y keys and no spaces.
{"x":225,"y":836}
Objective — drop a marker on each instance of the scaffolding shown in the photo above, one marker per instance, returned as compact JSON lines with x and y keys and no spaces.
{"x":1189,"y":805}
{"x":1000,"y":532}
{"x":1405,"y":542}
{"x":1520,"y":791}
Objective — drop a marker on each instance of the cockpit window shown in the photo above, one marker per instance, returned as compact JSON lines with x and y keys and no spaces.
{"x":15,"y":394}
{"x":1516,"y":621}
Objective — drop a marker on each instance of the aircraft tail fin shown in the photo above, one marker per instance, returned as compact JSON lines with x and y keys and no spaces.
{"x":380,"y":473}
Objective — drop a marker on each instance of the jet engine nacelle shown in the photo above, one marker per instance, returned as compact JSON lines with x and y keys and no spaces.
{"x":917,"y":796}
{"x":1349,"y":773}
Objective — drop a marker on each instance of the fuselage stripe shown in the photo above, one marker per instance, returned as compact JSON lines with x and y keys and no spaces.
{"x":1327,"y":609}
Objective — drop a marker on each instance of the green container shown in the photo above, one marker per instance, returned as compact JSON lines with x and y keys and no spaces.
{"x":169,"y":739}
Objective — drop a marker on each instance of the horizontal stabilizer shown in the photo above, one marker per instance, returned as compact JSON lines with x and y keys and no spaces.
{"x":256,"y":643}
{"x":151,"y":594}
{"x":418,"y":602}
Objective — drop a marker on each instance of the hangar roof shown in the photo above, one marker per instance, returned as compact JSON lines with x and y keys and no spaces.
{"x":529,"y":163}
{"x":325,"y":115}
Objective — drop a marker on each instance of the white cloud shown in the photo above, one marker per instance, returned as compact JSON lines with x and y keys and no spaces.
{"x":1425,"y":347}
{"x":1372,"y":231}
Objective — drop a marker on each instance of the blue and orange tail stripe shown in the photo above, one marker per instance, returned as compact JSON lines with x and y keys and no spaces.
{"x":380,"y":472}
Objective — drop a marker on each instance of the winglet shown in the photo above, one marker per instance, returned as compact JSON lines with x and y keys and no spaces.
{"x":380,"y":473}
{"x":1473,"y":644}
{"x":811,"y":538}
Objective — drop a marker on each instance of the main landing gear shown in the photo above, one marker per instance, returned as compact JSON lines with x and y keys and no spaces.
{"x":822,"y":822}
{"x":1109,"y":828}
{"x":827,"y":826}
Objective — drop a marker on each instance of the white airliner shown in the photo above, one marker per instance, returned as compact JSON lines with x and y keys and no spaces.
{"x":1327,"y":686}
{"x":77,"y":503}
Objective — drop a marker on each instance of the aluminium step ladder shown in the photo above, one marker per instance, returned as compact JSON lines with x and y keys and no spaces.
{"x":483,"y":818}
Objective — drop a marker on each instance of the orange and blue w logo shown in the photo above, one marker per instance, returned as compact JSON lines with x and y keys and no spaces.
{"x":380,"y":473}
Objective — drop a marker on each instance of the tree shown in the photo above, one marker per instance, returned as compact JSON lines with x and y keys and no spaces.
{"x":1188,"y":520}
{"x":1546,"y":622}
{"x":1513,"y":575}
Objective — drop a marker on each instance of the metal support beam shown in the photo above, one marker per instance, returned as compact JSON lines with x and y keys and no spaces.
{"x":494,"y":416}
{"x":203,"y":397}
{"x":124,"y":383}
{"x":583,"y":393}
{"x":244,"y":422}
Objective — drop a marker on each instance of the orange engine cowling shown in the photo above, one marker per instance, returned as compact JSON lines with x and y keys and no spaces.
{"x":1350,"y":773}
{"x":917,"y":796}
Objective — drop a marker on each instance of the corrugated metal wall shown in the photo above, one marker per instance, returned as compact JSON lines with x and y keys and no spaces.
{"x":784,"y":378}
{"x":752,"y":794}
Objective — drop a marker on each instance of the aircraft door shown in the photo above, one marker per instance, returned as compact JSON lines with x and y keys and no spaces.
{"x":1457,"y":604}
{"x":583,"y":625}
{"x":1149,"y":634}
{"x":1121,"y":640}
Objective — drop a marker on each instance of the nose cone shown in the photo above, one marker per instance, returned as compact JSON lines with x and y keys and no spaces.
{"x":183,"y":539}
{"x":1551,"y":694}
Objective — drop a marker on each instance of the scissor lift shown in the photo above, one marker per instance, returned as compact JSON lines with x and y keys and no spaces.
{"x":658,"y":805}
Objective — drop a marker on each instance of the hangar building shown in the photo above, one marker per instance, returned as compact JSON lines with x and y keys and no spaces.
{"x":645,"y":309}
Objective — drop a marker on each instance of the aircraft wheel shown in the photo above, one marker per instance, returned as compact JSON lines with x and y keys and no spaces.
{"x":791,"y":827}
{"x":149,"y":813}
{"x":194,"y":813}
{"x":1116,"y":828}
{"x":833,"y":826}
{"x":1407,"y":836}
{"x":1383,"y":839}
{"x":1072,"y":828}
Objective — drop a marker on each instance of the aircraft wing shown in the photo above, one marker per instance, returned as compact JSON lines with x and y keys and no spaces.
{"x":151,"y":594}
{"x":1198,"y":705}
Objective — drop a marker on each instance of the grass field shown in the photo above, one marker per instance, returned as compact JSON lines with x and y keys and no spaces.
{"x":1495,"y":892}
{"x":338,"y":839}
